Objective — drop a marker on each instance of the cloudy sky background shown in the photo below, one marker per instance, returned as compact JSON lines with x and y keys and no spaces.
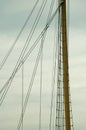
{"x":13,"y":14}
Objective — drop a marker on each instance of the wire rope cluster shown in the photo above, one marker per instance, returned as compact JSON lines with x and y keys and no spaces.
{"x":24,"y":55}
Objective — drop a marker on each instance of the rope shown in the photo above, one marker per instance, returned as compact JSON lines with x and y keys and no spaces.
{"x":30,"y":86}
{"x":29,"y":37}
{"x":53,"y":83}
{"x":24,"y":49}
{"x":6,"y":86}
{"x":22,"y":92}
{"x":40,"y":104}
{"x":32,"y":30}
{"x":10,"y":50}
{"x":59,"y":72}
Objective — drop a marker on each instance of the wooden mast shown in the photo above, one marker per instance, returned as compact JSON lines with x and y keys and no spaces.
{"x":65,"y":67}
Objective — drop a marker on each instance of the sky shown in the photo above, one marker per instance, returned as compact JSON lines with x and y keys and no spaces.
{"x":13,"y":14}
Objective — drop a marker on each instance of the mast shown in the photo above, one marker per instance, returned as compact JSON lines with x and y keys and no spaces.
{"x":65,"y":67}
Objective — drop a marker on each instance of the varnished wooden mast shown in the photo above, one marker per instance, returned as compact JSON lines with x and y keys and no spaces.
{"x":65,"y":67}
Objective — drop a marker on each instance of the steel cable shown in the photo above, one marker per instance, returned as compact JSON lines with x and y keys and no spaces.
{"x":10,"y":50}
{"x":51,"y":7}
{"x":30,"y":85}
{"x":40,"y":103}
{"x":24,"y":59}
{"x":32,"y":30}
{"x":29,"y":38}
{"x":8,"y":83}
{"x":22,"y":93}
{"x":53,"y":80}
{"x":48,"y":18}
{"x":59,"y":65}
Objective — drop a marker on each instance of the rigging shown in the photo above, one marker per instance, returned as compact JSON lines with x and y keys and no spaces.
{"x":10,"y":50}
{"x":6,"y":86}
{"x":63,"y":118}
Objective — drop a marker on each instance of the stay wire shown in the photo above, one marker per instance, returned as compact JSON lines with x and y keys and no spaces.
{"x":30,"y":86}
{"x":41,"y":58}
{"x":41,"y":66}
{"x":57,"y":40}
{"x":6,"y":87}
{"x":31,"y":33}
{"x":55,"y":61}
{"x":42,"y":41}
{"x":68,"y":33}
{"x":26,"y":44}
{"x":22,"y":92}
{"x":58,"y":83}
{"x":50,"y":10}
{"x":48,"y":18}
{"x":25,"y":58}
{"x":9,"y":82}
{"x":53,"y":84}
{"x":32,"y":30}
{"x":10,"y":50}
{"x":52,"y":90}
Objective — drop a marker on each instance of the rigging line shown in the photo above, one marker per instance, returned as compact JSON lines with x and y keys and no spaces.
{"x":61,"y":89}
{"x":68,"y":21}
{"x":26,"y":56}
{"x":53,"y":85}
{"x":22,"y":92}
{"x":31,"y":33}
{"x":32,"y":30}
{"x":72,"y":121}
{"x":58,"y":39}
{"x":41,"y":47}
{"x":30,"y":36}
{"x":40,"y":104}
{"x":50,"y":10}
{"x":24,"y":59}
{"x":9,"y":82}
{"x":48,"y":18}
{"x":26,"y":44}
{"x":41,"y":67}
{"x":28,"y":53}
{"x":10,"y":50}
{"x":60,"y":114}
{"x":54,"y":94}
{"x":30,"y":85}
{"x":34,"y":25}
{"x":54,"y":14}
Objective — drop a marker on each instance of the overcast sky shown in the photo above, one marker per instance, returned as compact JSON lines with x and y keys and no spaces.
{"x":13,"y":14}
